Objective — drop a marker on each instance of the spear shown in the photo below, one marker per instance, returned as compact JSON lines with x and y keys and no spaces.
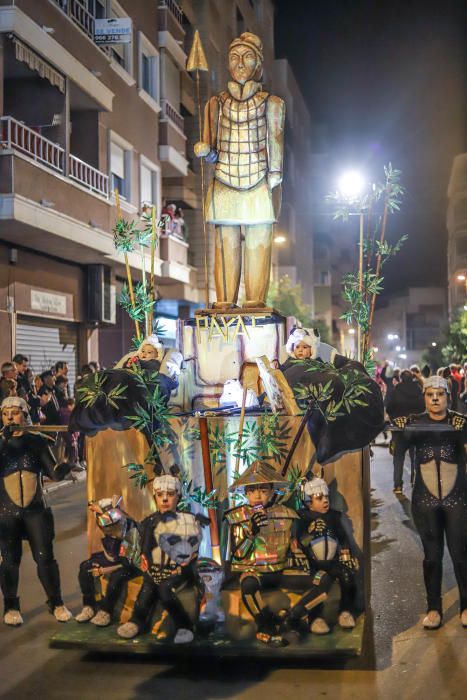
{"x":127,"y":265}
{"x":197,"y":62}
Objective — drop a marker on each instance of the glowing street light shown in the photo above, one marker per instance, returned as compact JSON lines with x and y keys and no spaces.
{"x":434,"y":344}
{"x":351,"y":331}
{"x":351,"y":184}
{"x":375,"y":349}
{"x":280,"y":239}
{"x":461,"y":278}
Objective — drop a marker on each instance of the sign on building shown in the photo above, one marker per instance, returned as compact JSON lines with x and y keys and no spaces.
{"x":48,"y":302}
{"x":112,"y":31}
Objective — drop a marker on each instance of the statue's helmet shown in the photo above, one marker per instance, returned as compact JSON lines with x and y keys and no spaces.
{"x":256,"y":45}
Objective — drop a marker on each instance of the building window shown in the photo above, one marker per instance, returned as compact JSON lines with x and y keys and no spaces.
{"x":120,"y":168}
{"x":149,"y":184}
{"x":148,"y":68}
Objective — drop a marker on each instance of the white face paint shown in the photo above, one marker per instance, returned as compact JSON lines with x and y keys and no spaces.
{"x":179,"y":538}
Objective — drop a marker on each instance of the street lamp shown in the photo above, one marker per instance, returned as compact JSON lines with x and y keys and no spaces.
{"x":280,"y":239}
{"x":351,"y":185}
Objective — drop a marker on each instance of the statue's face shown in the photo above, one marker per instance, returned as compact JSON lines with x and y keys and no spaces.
{"x":436,"y":402}
{"x":242,"y":63}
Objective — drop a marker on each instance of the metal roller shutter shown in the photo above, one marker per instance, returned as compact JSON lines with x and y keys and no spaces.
{"x":45,"y":342}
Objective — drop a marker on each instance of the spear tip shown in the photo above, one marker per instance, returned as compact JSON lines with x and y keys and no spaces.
{"x":197,"y":58}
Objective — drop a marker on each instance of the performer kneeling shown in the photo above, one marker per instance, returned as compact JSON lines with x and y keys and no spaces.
{"x":120,"y":538}
{"x":24,"y":458}
{"x":170,"y":542}
{"x":324,"y":541}
{"x":439,"y":499}
{"x":260,"y":535}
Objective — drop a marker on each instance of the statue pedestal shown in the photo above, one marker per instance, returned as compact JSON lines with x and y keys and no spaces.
{"x":220,"y":346}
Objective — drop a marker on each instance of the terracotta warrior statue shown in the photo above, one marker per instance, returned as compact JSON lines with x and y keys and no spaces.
{"x":243,"y":136}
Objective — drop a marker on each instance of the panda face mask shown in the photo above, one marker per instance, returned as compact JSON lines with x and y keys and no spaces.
{"x":179,"y":538}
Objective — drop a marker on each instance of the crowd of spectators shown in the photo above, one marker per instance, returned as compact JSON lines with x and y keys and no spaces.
{"x":50,"y":398}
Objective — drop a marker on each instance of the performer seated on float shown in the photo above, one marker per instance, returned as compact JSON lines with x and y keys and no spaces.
{"x":260,"y":536}
{"x":305,"y":344}
{"x":114,"y":560}
{"x":324,"y":541}
{"x":24,"y":458}
{"x":439,"y":497}
{"x":170,"y":543}
{"x":360,"y":416}
{"x":152,"y":357}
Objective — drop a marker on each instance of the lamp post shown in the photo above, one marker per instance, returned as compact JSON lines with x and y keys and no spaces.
{"x":351,"y":185}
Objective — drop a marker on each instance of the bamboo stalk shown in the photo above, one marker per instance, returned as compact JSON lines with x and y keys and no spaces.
{"x":203,"y":206}
{"x":128,"y":271}
{"x":378,"y":266}
{"x":360,"y":285}
{"x":151,"y":280}
{"x":207,"y":469}
{"x":240,"y":429}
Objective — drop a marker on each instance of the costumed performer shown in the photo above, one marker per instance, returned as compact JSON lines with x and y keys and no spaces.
{"x":118,"y":560}
{"x":170,"y":543}
{"x":439,"y":498}
{"x":261,"y":536}
{"x":24,"y":458}
{"x":323,"y":539}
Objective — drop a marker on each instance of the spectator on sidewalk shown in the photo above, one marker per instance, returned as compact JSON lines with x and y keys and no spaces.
{"x":50,"y":407}
{"x":406,"y":399}
{"x":61,"y":390}
{"x":61,"y":369}
{"x":9,"y":371}
{"x":22,"y":362}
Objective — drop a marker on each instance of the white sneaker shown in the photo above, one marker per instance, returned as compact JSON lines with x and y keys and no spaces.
{"x":86,"y":614}
{"x":13,"y":618}
{"x":101,"y":619}
{"x":183,"y":636}
{"x":346,"y":620}
{"x":464,"y":618}
{"x":128,"y":630}
{"x":62,"y":614}
{"x":432,"y":620}
{"x":319,"y":626}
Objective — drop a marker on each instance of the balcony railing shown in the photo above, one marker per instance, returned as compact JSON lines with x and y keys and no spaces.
{"x":174,"y":8}
{"x":169,"y":112}
{"x":17,"y":136}
{"x":79,"y":13}
{"x":88,"y":176}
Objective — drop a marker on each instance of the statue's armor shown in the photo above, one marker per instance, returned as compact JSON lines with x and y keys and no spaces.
{"x":267,"y":550}
{"x":241,"y":140}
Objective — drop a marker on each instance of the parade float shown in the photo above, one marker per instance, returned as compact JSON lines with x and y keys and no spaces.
{"x":240,"y":455}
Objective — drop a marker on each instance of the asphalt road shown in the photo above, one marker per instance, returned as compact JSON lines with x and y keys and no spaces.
{"x":403,"y":662}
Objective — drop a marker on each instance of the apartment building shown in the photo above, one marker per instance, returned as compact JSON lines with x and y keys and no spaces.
{"x":457,"y":235}
{"x":78,"y":120}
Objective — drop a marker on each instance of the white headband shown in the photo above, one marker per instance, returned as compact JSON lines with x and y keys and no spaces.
{"x":315,"y":487}
{"x":152,"y":340}
{"x":436,"y":382}
{"x":15,"y":402}
{"x":304,"y":335}
{"x":166,"y":482}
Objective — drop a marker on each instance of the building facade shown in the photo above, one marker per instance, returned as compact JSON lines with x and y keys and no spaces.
{"x":406,"y":325}
{"x":457,"y":235}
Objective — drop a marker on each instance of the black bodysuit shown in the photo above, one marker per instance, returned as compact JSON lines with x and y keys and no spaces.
{"x":25,"y":515}
{"x":439,"y":502}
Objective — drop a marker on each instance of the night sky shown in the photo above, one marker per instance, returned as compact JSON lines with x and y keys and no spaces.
{"x":387,"y":79}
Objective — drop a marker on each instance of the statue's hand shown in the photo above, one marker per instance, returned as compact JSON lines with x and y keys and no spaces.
{"x":202,"y":149}
{"x":274,"y":179}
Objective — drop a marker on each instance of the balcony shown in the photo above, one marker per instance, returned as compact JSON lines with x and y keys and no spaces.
{"x":183,"y":191}
{"x":170,"y":19}
{"x":169,"y":113}
{"x":16,"y":136}
{"x":78,"y":12}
